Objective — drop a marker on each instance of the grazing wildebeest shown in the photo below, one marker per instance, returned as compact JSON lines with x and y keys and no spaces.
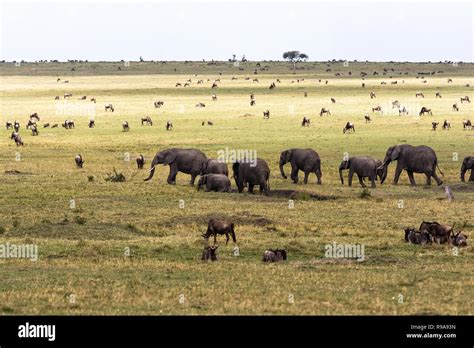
{"x":54,"y":125}
{"x":419,"y":94}
{"x":186,"y":84}
{"x":214,"y":97}
{"x":125,"y":127}
{"x":440,"y":233}
{"x":424,"y":110}
{"x":393,"y":82}
{"x":215,"y":227}
{"x":402,"y":111}
{"x":465,"y":99}
{"x":417,"y":237}
{"x":377,"y":108}
{"x":266,"y":114}
{"x":17,"y":138}
{"x":30,"y":123}
{"x":140,"y":161}
{"x":363,"y":85}
{"x":395,"y":104}
{"x":68,"y":124}
{"x":93,"y":100}
{"x":9,"y":125}
{"x":200,"y":105}
{"x":466,"y":124}
{"x":109,"y":107}
{"x":324,"y":111}
{"x":434,"y":124}
{"x":459,"y":239}
{"x":158,"y":104}
{"x":367,"y":118}
{"x":34,"y":129}
{"x":306,"y":122}
{"x":209,"y":253}
{"x":214,"y":85}
{"x":79,"y":161}
{"x":169,"y":125}
{"x":56,"y":97}
{"x":67,"y":95}
{"x":147,"y":120}
{"x":348,"y":127}
{"x":455,"y":107}
{"x":178,"y":84}
{"x":91,"y":123}
{"x":305,"y":94}
{"x":274,"y":255}
{"x":84,"y":97}
{"x":46,"y":125}
{"x":16,"y":126}
{"x":255,"y":80}
{"x":438,"y":95}
{"x":272,"y":85}
{"x":450,"y":80}
{"x":446,"y":125}
{"x":333,"y":100}
{"x":252,"y":102}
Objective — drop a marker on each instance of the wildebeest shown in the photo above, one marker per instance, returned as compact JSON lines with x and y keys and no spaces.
{"x":324,"y":111}
{"x":266,"y":114}
{"x":16,"y":126}
{"x":178,"y":85}
{"x":274,"y":255}
{"x":465,"y":99}
{"x":200,"y":105}
{"x":79,"y":161}
{"x":34,"y":130}
{"x":306,"y":122}
{"x":466,"y":124}
{"x":459,"y":239}
{"x":378,"y":109}
{"x":417,"y":237}
{"x":333,"y":100}
{"x":395,"y":104}
{"x":438,"y":95}
{"x":424,"y":110}
{"x":93,"y":100}
{"x":30,"y":124}
{"x":56,"y":97}
{"x":215,"y":227}
{"x":372,"y":95}
{"x":214,"y":97}
{"x":367,"y":118}
{"x":434,"y":124}
{"x":147,"y":120}
{"x":419,"y":94}
{"x":91,"y":123}
{"x":158,"y":104}
{"x":68,"y":124}
{"x":54,"y":125}
{"x":440,"y":233}
{"x":272,"y":85}
{"x":209,"y":253}
{"x":402,"y":111}
{"x":125,"y":126}
{"x":348,"y":127}
{"x":169,"y":125}
{"x":140,"y":161}
{"x":252,"y":102}
{"x":84,"y":97}
{"x":17,"y":138}
{"x":9,"y":125}
{"x":214,"y":85}
{"x":455,"y":107}
{"x":67,"y":95}
{"x":35,"y":116}
{"x":450,"y":80}
{"x":109,"y":107}
{"x":446,"y":125}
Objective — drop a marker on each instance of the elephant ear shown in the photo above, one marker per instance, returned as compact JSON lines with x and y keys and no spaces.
{"x":288,"y":154}
{"x":395,"y":153}
{"x":169,"y":158}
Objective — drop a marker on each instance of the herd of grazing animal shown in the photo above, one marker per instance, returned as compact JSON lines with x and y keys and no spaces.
{"x":434,"y":232}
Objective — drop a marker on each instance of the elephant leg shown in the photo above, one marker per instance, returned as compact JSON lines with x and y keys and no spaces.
{"x":226,"y":238}
{"x":172,"y":176}
{"x":215,"y":238}
{"x":471,"y":177}
{"x":398,"y":171}
{"x":436,"y":177}
{"x":428,"y":179}
{"x":294,"y":174}
{"x":351,"y":174}
{"x":412,"y":178}
{"x":318,"y":176}
{"x":193,"y":178}
{"x":251,"y":188}
{"x":306,"y":174}
{"x":361,"y":182}
{"x":372,"y":180}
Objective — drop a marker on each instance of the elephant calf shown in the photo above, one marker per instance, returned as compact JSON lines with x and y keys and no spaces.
{"x":440,"y":233}
{"x":306,"y":160}
{"x":417,"y":237}
{"x":274,"y":255}
{"x":467,"y":164}
{"x":213,"y":166}
{"x":214,"y":182}
{"x":255,"y":172}
{"x":364,"y":167}
{"x":209,"y":253}
{"x":215,"y":227}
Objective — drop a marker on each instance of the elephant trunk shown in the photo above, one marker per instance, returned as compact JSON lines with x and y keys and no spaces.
{"x":340,"y":175}
{"x":282,"y":171}
{"x":384,"y":173}
{"x":463,"y":174}
{"x":152,"y":169}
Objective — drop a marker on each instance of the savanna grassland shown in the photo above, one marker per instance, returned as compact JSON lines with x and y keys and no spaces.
{"x":83,"y":265}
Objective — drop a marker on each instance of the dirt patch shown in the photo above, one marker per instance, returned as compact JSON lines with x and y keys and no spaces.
{"x":301,"y":195}
{"x":16,"y":172}
{"x":248,"y":115}
{"x":460,"y":187}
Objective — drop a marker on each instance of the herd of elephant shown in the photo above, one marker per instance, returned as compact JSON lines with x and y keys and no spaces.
{"x":214,"y":173}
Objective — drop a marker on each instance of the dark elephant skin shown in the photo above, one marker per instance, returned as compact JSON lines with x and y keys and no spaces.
{"x":253,"y":173}
{"x":441,"y":233}
{"x":188,"y":161}
{"x":214,"y":182}
{"x":363,"y":167}
{"x":413,"y":159}
{"x":306,"y":160}
{"x":213,"y":166}
{"x":467,"y":164}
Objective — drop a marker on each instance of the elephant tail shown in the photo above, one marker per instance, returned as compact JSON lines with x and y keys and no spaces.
{"x":442,"y":174}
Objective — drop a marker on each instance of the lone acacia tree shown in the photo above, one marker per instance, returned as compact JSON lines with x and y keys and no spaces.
{"x":294,"y":57}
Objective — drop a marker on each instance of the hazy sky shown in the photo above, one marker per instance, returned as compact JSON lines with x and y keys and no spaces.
{"x":260,"y":29}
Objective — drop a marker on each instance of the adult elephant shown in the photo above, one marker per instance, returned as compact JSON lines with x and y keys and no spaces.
{"x":413,"y":159}
{"x":467,"y":164}
{"x":255,"y":172}
{"x":188,"y":161}
{"x":364,"y":167}
{"x":214,"y":182}
{"x":306,"y":160}
{"x":213,"y":166}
